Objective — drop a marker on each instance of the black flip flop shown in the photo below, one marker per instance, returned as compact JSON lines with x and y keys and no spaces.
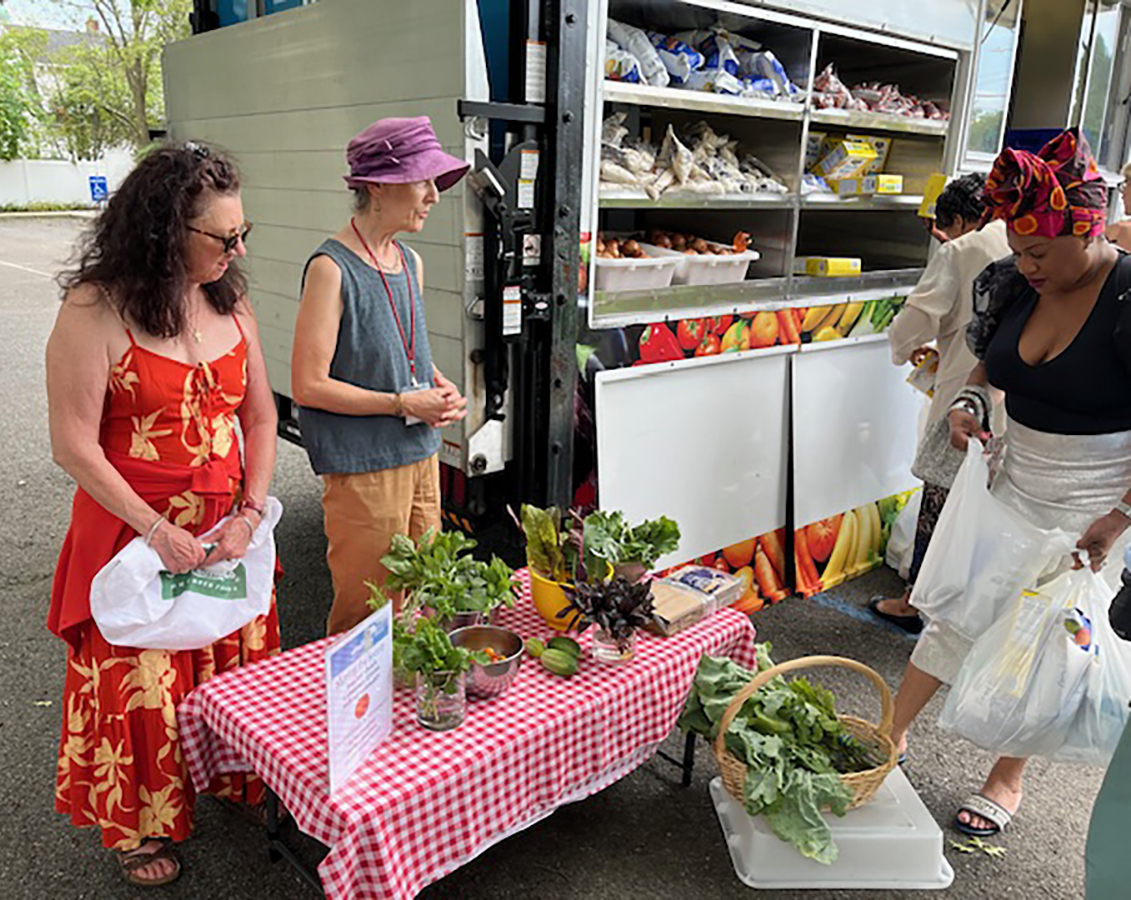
{"x":910,"y":624}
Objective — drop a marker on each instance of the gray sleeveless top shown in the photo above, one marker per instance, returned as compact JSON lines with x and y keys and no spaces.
{"x":371,"y":354}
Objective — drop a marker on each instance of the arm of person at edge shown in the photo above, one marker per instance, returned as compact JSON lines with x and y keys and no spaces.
{"x":316,"y":338}
{"x":929,"y":302}
{"x":1099,"y":536}
{"x":259,"y":422}
{"x":1119,"y":233}
{"x":79,"y":358}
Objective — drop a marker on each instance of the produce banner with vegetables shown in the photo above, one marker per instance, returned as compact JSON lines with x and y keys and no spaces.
{"x":847,"y":545}
{"x":761,"y":564}
{"x":673,"y":340}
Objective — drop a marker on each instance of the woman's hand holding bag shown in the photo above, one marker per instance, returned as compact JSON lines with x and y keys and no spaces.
{"x":136,"y":601}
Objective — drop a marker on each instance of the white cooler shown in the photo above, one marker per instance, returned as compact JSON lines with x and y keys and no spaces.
{"x":890,"y":843}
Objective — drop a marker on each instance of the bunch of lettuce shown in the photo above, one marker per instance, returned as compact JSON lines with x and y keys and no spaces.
{"x":570,"y":549}
{"x":793,"y":744}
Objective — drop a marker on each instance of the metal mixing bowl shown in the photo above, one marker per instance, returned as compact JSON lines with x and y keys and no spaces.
{"x":491,"y":680}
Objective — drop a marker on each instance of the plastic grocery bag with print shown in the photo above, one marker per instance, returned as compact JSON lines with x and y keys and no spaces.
{"x":135,"y":603}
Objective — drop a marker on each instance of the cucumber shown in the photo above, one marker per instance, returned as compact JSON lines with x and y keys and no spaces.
{"x":559,"y":662}
{"x":568,"y":645}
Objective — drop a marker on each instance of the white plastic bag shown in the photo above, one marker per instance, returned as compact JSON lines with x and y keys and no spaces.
{"x":635,"y":41}
{"x":1099,"y":723}
{"x":901,"y":544}
{"x":982,"y":554}
{"x":135,"y":603}
{"x":1024,"y":683}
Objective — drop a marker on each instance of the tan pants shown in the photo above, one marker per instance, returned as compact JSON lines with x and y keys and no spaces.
{"x":363,"y":512}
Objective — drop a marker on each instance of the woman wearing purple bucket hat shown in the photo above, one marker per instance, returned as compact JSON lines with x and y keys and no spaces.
{"x":361,"y":370}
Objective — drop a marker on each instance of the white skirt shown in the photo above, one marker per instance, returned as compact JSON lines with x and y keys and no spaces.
{"x":1054,"y":480}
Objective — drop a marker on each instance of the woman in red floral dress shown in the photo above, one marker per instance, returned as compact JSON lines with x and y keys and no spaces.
{"x":154,"y":357}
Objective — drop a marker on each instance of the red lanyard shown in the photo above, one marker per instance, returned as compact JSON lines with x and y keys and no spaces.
{"x":409,"y":342}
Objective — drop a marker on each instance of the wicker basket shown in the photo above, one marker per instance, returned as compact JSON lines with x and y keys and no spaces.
{"x":866,"y":783}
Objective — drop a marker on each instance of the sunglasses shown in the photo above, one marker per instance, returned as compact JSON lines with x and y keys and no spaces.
{"x":231,"y":240}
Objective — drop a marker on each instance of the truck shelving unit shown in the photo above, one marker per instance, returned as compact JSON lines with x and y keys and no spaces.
{"x":729,"y":444}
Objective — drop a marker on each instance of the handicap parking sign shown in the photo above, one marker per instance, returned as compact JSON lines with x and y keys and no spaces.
{"x":99,"y":192}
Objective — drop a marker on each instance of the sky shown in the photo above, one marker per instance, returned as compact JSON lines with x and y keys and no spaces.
{"x":46,"y":13}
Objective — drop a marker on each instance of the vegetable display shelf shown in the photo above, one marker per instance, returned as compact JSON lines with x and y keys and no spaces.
{"x":791,"y":223}
{"x":702,"y":101}
{"x":850,"y":119}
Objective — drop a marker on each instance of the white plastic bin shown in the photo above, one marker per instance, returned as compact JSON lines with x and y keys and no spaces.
{"x":702,"y":268}
{"x":634,"y":274}
{"x":890,"y":843}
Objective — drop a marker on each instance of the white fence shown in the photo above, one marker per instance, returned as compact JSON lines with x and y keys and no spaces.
{"x":24,"y":181}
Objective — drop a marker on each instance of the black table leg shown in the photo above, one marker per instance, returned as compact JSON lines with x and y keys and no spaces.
{"x":688,"y":758}
{"x":685,"y":765}
{"x":278,"y":850}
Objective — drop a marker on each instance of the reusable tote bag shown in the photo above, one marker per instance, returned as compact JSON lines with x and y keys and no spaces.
{"x":135,"y":603}
{"x":982,"y":554}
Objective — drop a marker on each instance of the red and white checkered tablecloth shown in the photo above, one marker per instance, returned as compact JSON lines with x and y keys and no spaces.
{"x":424,"y":803}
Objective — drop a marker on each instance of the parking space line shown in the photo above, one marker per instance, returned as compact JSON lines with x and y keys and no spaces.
{"x":859,"y":613}
{"x":26,"y":269}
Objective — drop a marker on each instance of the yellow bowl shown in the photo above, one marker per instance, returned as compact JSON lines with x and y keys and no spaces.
{"x":549,"y":600}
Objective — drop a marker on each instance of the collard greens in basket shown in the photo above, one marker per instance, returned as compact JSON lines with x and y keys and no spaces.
{"x":793,"y":745}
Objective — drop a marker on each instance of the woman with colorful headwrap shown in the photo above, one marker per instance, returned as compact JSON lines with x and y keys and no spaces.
{"x":1048,"y":331}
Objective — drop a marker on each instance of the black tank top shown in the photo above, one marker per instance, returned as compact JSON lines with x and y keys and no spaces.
{"x":1085,"y":389}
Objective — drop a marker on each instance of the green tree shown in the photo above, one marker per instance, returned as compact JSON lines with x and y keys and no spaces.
{"x":985,"y":132}
{"x":110,"y":88}
{"x":16,"y":111}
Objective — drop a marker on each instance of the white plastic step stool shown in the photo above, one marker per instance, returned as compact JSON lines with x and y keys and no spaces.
{"x":890,"y":843}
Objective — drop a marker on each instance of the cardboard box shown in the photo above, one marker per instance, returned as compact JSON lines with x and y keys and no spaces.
{"x":848,"y":187}
{"x":827,"y":266}
{"x":883,"y":184}
{"x":882,"y":146}
{"x":936,"y":184}
{"x":814,"y":148}
{"x":845,"y":159}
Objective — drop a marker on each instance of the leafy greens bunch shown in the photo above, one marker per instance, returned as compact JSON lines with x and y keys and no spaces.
{"x":593,"y":548}
{"x":618,"y":606}
{"x":427,"y":649}
{"x":794,"y":746}
{"x":440,"y":575}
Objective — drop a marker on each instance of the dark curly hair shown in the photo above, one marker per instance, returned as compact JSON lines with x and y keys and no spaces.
{"x":962,"y":197}
{"x":136,"y":249}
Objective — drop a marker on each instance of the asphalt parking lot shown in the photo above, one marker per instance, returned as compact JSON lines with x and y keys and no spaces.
{"x":644,"y":837}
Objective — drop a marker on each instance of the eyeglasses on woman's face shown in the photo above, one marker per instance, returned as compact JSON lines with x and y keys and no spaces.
{"x":230,"y":241}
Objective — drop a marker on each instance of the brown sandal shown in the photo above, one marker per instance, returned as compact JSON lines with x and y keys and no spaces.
{"x":130,"y":861}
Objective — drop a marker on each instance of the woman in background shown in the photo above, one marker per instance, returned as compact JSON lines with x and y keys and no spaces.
{"x":938,"y":310}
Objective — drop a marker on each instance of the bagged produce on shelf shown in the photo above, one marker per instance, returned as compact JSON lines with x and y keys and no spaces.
{"x":698,"y":160}
{"x":620,"y":65}
{"x":679,"y":58}
{"x":635,"y":41}
{"x":829,"y":91}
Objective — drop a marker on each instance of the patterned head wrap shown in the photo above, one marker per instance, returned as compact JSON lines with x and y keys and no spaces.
{"x":1054,"y":192}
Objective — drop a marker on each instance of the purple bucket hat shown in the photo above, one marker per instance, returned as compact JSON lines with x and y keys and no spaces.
{"x":400,"y":151}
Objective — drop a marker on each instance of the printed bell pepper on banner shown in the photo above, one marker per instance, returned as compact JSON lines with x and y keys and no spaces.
{"x":658,"y":344}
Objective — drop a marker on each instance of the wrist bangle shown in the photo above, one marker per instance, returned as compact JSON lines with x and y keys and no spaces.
{"x":965,"y":406}
{"x":250,"y":527}
{"x":255,"y":508}
{"x":153,"y":529}
{"x":398,"y":406}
